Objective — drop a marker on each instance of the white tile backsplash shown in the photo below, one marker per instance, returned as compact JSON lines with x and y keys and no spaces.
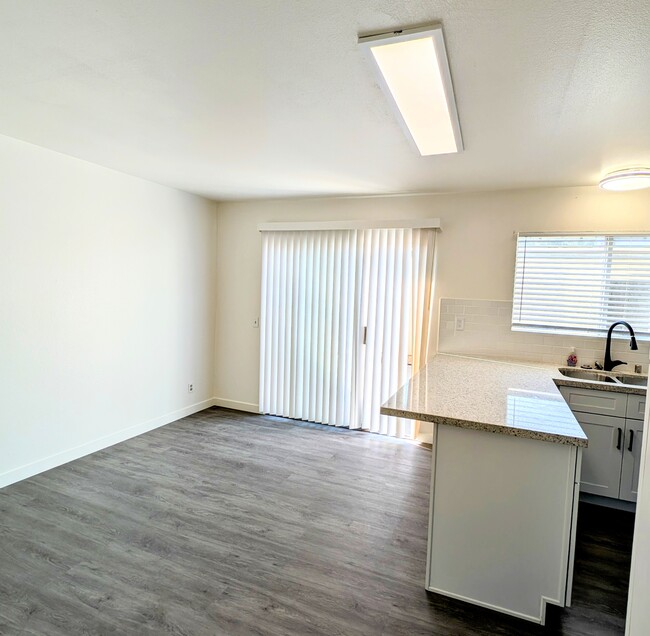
{"x":487,"y":332}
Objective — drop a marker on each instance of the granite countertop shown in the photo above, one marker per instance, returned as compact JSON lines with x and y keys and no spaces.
{"x":519,"y":399}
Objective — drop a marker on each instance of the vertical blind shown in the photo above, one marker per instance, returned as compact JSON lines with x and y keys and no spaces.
{"x":580,"y":284}
{"x":345,"y":318}
{"x":307,"y":325}
{"x":396,"y":272}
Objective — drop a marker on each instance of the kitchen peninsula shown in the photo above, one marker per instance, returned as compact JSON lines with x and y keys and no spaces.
{"x":504,"y":484}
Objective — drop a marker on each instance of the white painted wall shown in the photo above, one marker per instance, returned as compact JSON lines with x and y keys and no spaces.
{"x":107,"y":297}
{"x":476,"y":252}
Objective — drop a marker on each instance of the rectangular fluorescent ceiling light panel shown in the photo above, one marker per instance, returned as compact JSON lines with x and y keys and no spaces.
{"x":413,"y":71}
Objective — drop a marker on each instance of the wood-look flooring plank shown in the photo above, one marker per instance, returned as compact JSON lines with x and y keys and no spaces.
{"x":230,"y":523}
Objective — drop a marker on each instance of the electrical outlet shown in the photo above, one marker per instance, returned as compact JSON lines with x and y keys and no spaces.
{"x":190,"y":388}
{"x":460,"y":323}
{"x":256,"y":323}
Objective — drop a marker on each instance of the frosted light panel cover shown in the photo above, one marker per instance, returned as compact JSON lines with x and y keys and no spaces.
{"x":413,"y":77}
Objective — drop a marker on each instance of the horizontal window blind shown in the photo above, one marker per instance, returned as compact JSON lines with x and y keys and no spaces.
{"x":580,"y":284}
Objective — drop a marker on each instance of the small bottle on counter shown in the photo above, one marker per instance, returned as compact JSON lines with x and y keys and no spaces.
{"x":572,"y":358}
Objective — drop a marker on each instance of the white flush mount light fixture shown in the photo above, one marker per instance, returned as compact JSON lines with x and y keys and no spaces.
{"x":413,"y":71}
{"x":628,"y":179}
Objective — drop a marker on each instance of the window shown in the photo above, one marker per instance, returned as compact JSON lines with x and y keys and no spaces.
{"x":580,"y":284}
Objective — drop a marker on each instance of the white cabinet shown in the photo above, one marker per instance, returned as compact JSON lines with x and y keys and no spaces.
{"x":601,"y":461}
{"x":613,"y":423}
{"x":597,"y":402}
{"x":503,"y":520}
{"x":631,"y":459}
{"x":635,"y":407}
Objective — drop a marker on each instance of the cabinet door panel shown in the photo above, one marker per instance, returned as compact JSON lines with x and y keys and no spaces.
{"x":635,"y":407}
{"x":601,"y":460}
{"x":595,"y":401}
{"x":631,"y":459}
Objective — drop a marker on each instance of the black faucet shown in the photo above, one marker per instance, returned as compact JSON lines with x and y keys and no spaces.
{"x":609,"y":363}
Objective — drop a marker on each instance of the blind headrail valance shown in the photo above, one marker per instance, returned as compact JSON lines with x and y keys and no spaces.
{"x":370,"y":224}
{"x":595,"y":233}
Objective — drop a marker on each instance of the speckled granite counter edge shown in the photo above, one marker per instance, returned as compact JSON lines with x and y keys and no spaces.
{"x":556,"y":438}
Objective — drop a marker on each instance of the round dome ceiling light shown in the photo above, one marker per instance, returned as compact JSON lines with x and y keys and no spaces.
{"x":628,"y":179}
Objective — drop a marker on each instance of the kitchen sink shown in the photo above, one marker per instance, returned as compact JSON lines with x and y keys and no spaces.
{"x":636,"y":380}
{"x":583,"y":374}
{"x":603,"y":376}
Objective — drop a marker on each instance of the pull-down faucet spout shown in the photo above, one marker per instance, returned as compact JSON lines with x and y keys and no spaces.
{"x":609,"y":363}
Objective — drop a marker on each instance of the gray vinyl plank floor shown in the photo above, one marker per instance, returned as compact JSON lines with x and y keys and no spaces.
{"x":231,"y":523}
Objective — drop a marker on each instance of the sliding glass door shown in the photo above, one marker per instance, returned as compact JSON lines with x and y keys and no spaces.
{"x":345,"y":318}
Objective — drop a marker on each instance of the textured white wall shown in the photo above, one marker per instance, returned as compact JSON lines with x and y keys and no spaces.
{"x":475,"y":251}
{"x":107,"y":296}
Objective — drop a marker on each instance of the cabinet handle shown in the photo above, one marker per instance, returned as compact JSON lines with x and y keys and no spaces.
{"x":631,"y":441}
{"x":620,"y":436}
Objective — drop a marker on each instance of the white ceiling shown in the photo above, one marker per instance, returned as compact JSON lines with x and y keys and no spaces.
{"x":258,"y":98}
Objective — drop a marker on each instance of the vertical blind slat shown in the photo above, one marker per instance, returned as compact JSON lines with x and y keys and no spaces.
{"x":320,"y":291}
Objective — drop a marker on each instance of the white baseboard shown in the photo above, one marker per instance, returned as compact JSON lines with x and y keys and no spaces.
{"x":52,"y":461}
{"x":249,"y":407}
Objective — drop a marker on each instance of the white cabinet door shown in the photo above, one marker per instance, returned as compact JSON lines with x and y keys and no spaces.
{"x":631,"y":459}
{"x":635,"y":407}
{"x":601,"y":460}
{"x":595,"y":401}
